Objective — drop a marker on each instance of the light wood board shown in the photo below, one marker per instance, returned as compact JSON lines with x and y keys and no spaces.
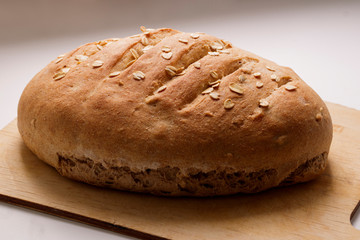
{"x":319,"y":209}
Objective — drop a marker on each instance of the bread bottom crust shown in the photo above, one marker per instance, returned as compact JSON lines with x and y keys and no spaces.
{"x":171,"y":181}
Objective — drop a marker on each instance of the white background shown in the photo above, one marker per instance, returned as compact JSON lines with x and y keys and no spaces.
{"x":320,"y":40}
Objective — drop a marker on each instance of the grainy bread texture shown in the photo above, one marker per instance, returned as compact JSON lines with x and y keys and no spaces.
{"x":173,"y":113}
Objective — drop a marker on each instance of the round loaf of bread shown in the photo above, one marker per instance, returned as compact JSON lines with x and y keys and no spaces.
{"x":173,"y":113}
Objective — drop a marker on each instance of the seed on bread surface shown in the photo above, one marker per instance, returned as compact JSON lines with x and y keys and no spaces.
{"x":236,"y":88}
{"x":263,"y":103}
{"x":194,"y":35}
{"x":97,"y":63}
{"x":167,"y":55}
{"x":214,"y":95}
{"x":228,"y":104}
{"x":114,"y":74}
{"x":138,"y":75}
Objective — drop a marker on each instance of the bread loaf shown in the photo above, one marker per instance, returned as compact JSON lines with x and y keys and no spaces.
{"x":173,"y":113}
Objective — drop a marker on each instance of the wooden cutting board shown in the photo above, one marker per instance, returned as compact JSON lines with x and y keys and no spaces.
{"x":319,"y":209}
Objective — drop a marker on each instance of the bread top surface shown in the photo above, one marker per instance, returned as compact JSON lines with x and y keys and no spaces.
{"x":140,"y":102}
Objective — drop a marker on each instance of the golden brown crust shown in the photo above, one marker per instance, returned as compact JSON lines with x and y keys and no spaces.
{"x":122,"y":106}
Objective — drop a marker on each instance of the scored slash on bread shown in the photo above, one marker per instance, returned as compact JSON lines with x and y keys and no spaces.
{"x":173,"y":113}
